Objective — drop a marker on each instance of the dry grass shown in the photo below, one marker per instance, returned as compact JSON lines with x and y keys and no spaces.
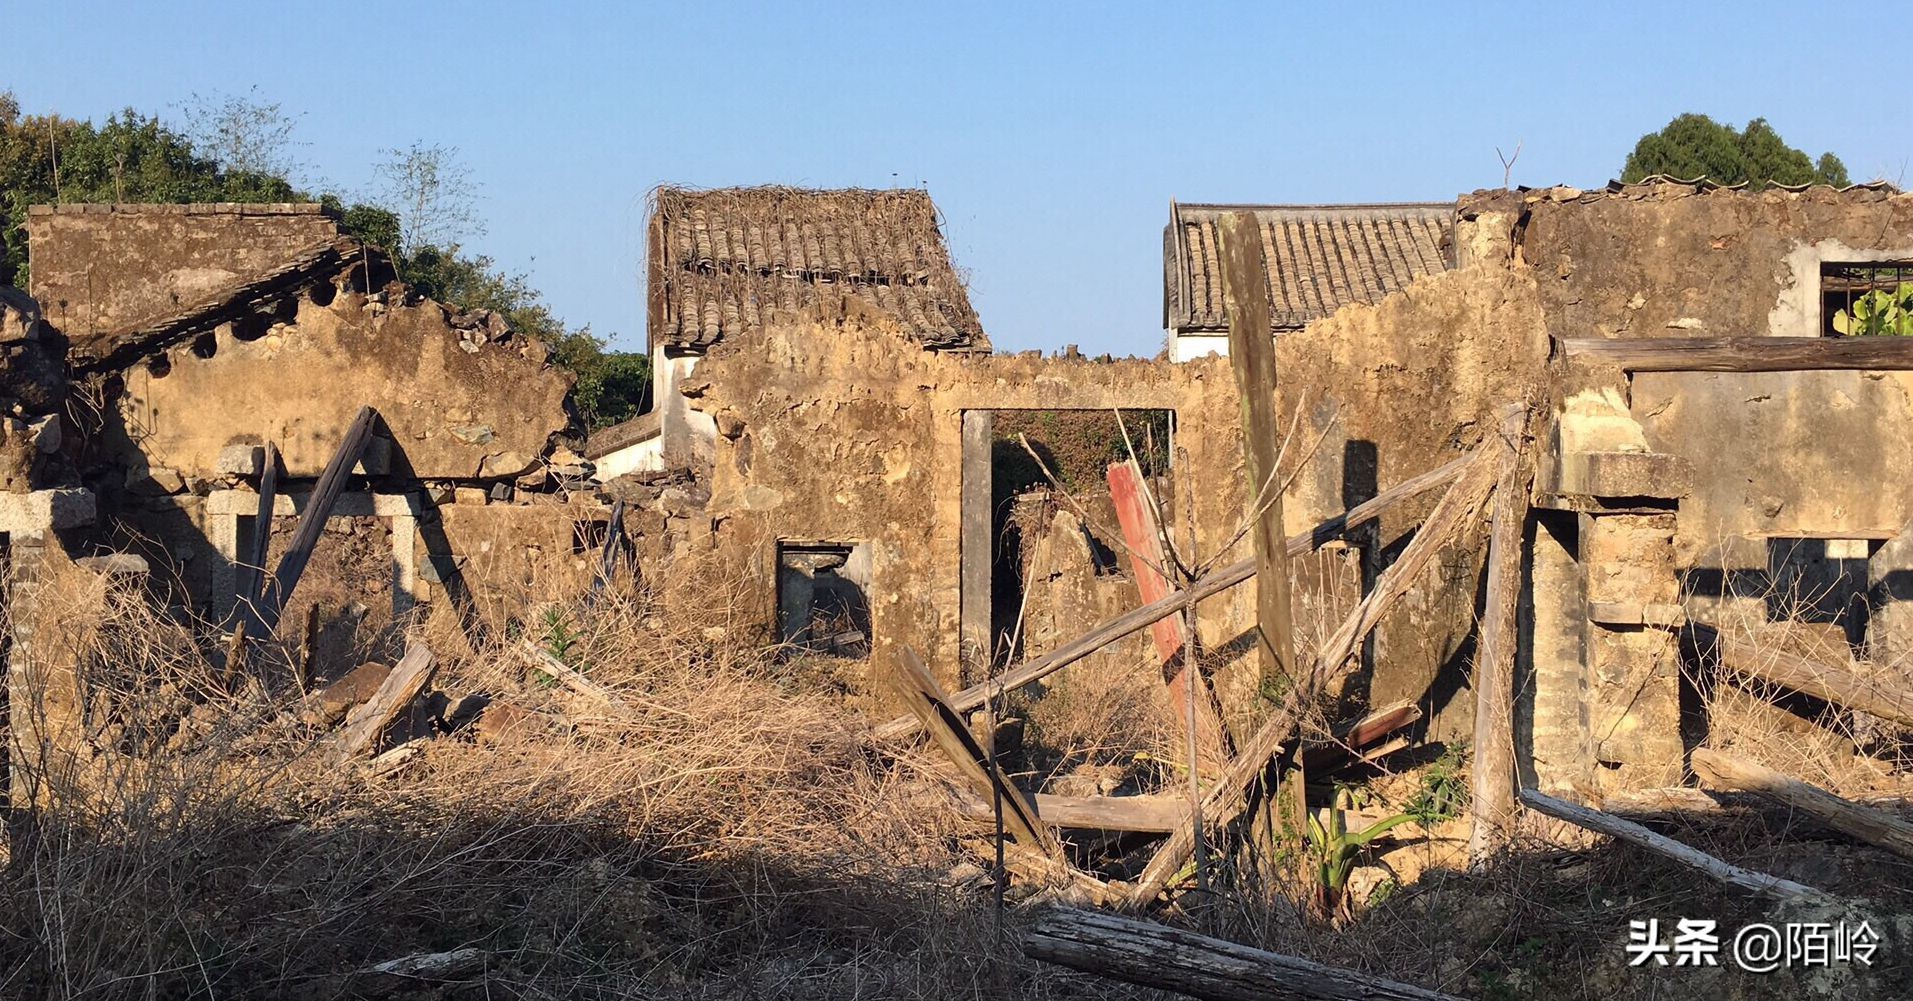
{"x":732,"y":834}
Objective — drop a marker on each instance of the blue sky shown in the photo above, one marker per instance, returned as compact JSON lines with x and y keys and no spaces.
{"x":1051,"y":136}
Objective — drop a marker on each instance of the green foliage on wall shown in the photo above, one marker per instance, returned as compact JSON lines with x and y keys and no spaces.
{"x":1693,"y":146}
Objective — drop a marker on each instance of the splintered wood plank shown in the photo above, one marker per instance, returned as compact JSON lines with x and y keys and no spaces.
{"x":1864,"y":823}
{"x":365,"y":724}
{"x":1142,"y":534}
{"x":926,"y":700}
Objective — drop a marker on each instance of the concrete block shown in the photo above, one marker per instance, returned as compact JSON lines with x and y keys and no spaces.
{"x":154,"y":481}
{"x":115,"y":565}
{"x":1624,"y":474}
{"x":1666,"y":615}
{"x":244,"y":461}
{"x":42,"y":510}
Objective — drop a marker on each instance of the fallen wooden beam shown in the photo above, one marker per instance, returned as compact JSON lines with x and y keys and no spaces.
{"x":325,"y":494}
{"x":1742,"y":354}
{"x":920,"y":691}
{"x":1208,"y":586}
{"x":1744,"y":656}
{"x":1694,"y":858}
{"x":1135,"y":814}
{"x":541,"y":660}
{"x":1230,"y":796}
{"x":1492,"y":774}
{"x":1863,"y":823}
{"x":1154,"y":955}
{"x":365,"y":724}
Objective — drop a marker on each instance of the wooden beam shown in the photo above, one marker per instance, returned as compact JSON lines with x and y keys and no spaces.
{"x":1742,"y":354}
{"x":1136,"y":814}
{"x":1863,"y":823}
{"x":925,"y":697}
{"x":1633,"y":833}
{"x":1209,"y":585}
{"x":325,"y":494}
{"x":365,"y":724}
{"x":1142,"y":533}
{"x":541,"y":660}
{"x":1744,"y":656}
{"x":1245,"y":282}
{"x":1230,"y":796}
{"x":1493,"y":770}
{"x":1153,"y":955}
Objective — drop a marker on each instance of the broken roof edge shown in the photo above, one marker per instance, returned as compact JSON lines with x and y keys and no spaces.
{"x":1352,"y":252}
{"x":181,"y":208}
{"x":723,"y":260}
{"x":622,"y":435}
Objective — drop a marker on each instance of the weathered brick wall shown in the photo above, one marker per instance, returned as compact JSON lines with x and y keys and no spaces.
{"x":103,"y":268}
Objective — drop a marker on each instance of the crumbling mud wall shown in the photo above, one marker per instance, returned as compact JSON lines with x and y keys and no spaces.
{"x":462,"y":399}
{"x":1676,"y":260}
{"x":1392,"y":391}
{"x":97,"y":269}
{"x":836,"y":428}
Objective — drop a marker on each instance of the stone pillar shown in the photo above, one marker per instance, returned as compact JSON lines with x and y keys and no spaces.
{"x":975,"y":538}
{"x":1552,"y":745}
{"x":1633,"y":649}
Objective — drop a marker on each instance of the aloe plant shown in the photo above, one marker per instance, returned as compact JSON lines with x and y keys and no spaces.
{"x":1335,"y":848}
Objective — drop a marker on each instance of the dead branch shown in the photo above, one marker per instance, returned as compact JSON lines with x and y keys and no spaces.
{"x":1693,"y":858}
{"x":1153,"y":955}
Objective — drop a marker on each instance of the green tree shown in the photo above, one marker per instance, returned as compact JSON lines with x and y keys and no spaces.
{"x":1694,"y":146}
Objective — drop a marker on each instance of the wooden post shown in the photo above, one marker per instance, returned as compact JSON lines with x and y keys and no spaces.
{"x":975,"y":550}
{"x":1153,"y":955}
{"x":1860,"y":822}
{"x":325,"y":494}
{"x":1142,"y":533}
{"x":1493,"y":773}
{"x":1245,"y":277}
{"x":1633,"y":833}
{"x":1245,"y":282}
{"x":252,"y":567}
{"x":1136,"y":620}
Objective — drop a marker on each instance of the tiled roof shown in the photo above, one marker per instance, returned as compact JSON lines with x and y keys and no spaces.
{"x":1321,"y":257}
{"x":722,"y":261}
{"x":605,"y":441}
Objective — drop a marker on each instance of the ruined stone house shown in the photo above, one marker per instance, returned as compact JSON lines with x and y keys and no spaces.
{"x":1659,"y":494}
{"x":196,"y":335}
{"x":722,"y":263}
{"x":824,"y":456}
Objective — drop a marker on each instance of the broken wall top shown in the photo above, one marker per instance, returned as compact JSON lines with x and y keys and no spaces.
{"x":103,"y":270}
{"x":1688,"y":259}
